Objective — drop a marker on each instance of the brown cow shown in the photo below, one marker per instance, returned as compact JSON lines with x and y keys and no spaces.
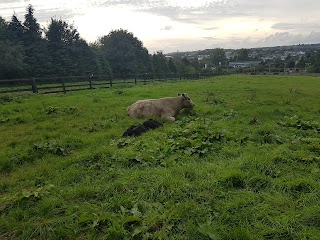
{"x":166,"y":108}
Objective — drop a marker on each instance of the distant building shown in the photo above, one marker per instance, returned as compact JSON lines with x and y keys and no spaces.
{"x":243,"y":64}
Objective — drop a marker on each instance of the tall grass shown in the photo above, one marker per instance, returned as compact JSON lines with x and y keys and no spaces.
{"x":244,"y":164}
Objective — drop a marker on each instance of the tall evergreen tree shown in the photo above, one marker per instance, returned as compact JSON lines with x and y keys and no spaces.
{"x":35,"y":46}
{"x":32,"y":31}
{"x":70,"y":54}
{"x":15,"y":30}
{"x":3,"y":29}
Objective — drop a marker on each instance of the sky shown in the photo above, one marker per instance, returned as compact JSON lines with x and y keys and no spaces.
{"x":184,"y":25}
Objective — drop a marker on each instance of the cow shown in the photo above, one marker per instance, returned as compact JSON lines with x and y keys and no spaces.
{"x":137,"y":130}
{"x":166,"y":108}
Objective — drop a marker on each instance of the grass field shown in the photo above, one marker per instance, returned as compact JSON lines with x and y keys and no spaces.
{"x":244,"y":164}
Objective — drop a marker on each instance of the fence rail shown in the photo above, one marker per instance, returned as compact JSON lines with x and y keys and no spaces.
{"x":76,"y":83}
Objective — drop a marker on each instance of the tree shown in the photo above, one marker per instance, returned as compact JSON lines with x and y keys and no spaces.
{"x":302,"y":63}
{"x":172,"y":66}
{"x":35,"y":46}
{"x":3,"y":29}
{"x":160,"y":64}
{"x":70,"y":54}
{"x":125,"y":53}
{"x":12,"y":60}
{"x":185,"y":66}
{"x":315,"y":62}
{"x":217,"y":57}
{"x":242,"y":54}
{"x":32,"y":31}
{"x":15,"y":30}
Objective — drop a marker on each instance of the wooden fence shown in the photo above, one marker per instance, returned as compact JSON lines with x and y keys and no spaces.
{"x":76,"y":83}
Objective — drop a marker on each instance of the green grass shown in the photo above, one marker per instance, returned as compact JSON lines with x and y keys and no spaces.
{"x":244,"y":164}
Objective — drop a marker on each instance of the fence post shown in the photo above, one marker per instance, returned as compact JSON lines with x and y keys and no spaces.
{"x":34,"y":85}
{"x":90,"y":82}
{"x":110,"y":82}
{"x":63,"y":86}
{"x":135,"y":79}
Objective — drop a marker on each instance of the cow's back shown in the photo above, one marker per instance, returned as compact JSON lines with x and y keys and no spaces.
{"x":144,"y":108}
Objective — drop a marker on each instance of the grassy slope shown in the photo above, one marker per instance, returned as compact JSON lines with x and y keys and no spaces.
{"x":243,"y":165}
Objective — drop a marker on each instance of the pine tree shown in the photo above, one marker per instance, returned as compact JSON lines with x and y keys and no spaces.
{"x":15,"y":30}
{"x":31,"y":27}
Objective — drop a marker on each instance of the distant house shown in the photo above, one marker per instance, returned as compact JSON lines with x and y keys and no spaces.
{"x":244,"y":64}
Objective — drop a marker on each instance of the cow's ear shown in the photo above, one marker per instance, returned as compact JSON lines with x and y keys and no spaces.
{"x":179,"y":94}
{"x":183,"y":94}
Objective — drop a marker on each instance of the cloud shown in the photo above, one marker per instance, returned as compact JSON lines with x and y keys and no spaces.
{"x":210,"y":28}
{"x":286,"y":38}
{"x":8,"y":1}
{"x":166,"y":28}
{"x":187,"y":13}
{"x":293,"y":26}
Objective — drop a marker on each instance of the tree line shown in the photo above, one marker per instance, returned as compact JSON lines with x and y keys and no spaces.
{"x":27,"y":50}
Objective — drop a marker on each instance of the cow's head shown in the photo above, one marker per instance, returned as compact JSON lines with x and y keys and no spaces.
{"x":187,"y":102}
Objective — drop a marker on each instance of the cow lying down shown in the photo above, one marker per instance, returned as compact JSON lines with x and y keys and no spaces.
{"x":166,"y":108}
{"x":137,"y":130}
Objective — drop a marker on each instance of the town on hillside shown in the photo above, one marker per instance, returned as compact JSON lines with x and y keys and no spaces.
{"x":294,"y":58}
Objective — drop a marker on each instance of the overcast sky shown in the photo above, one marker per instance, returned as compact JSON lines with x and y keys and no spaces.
{"x":184,"y":25}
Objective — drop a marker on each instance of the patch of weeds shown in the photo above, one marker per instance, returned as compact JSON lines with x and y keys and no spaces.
{"x":4,"y":120}
{"x":9,"y":98}
{"x":254,"y":121}
{"x":71,"y":110}
{"x":95,"y":97}
{"x":52,"y":110}
{"x":230,"y":113}
{"x":252,"y":95}
{"x":211,"y":98}
{"x":54,"y":148}
{"x":95,"y":161}
{"x":295,"y":122}
{"x":196,"y":138}
{"x":25,"y":198}
{"x":122,"y":142}
{"x":8,"y":163}
{"x":95,"y":221}
{"x":265,"y":135}
{"x":119,"y":92}
{"x":208,"y":231}
{"x":67,"y":110}
{"x":286,"y":101}
{"x":16,"y":120}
